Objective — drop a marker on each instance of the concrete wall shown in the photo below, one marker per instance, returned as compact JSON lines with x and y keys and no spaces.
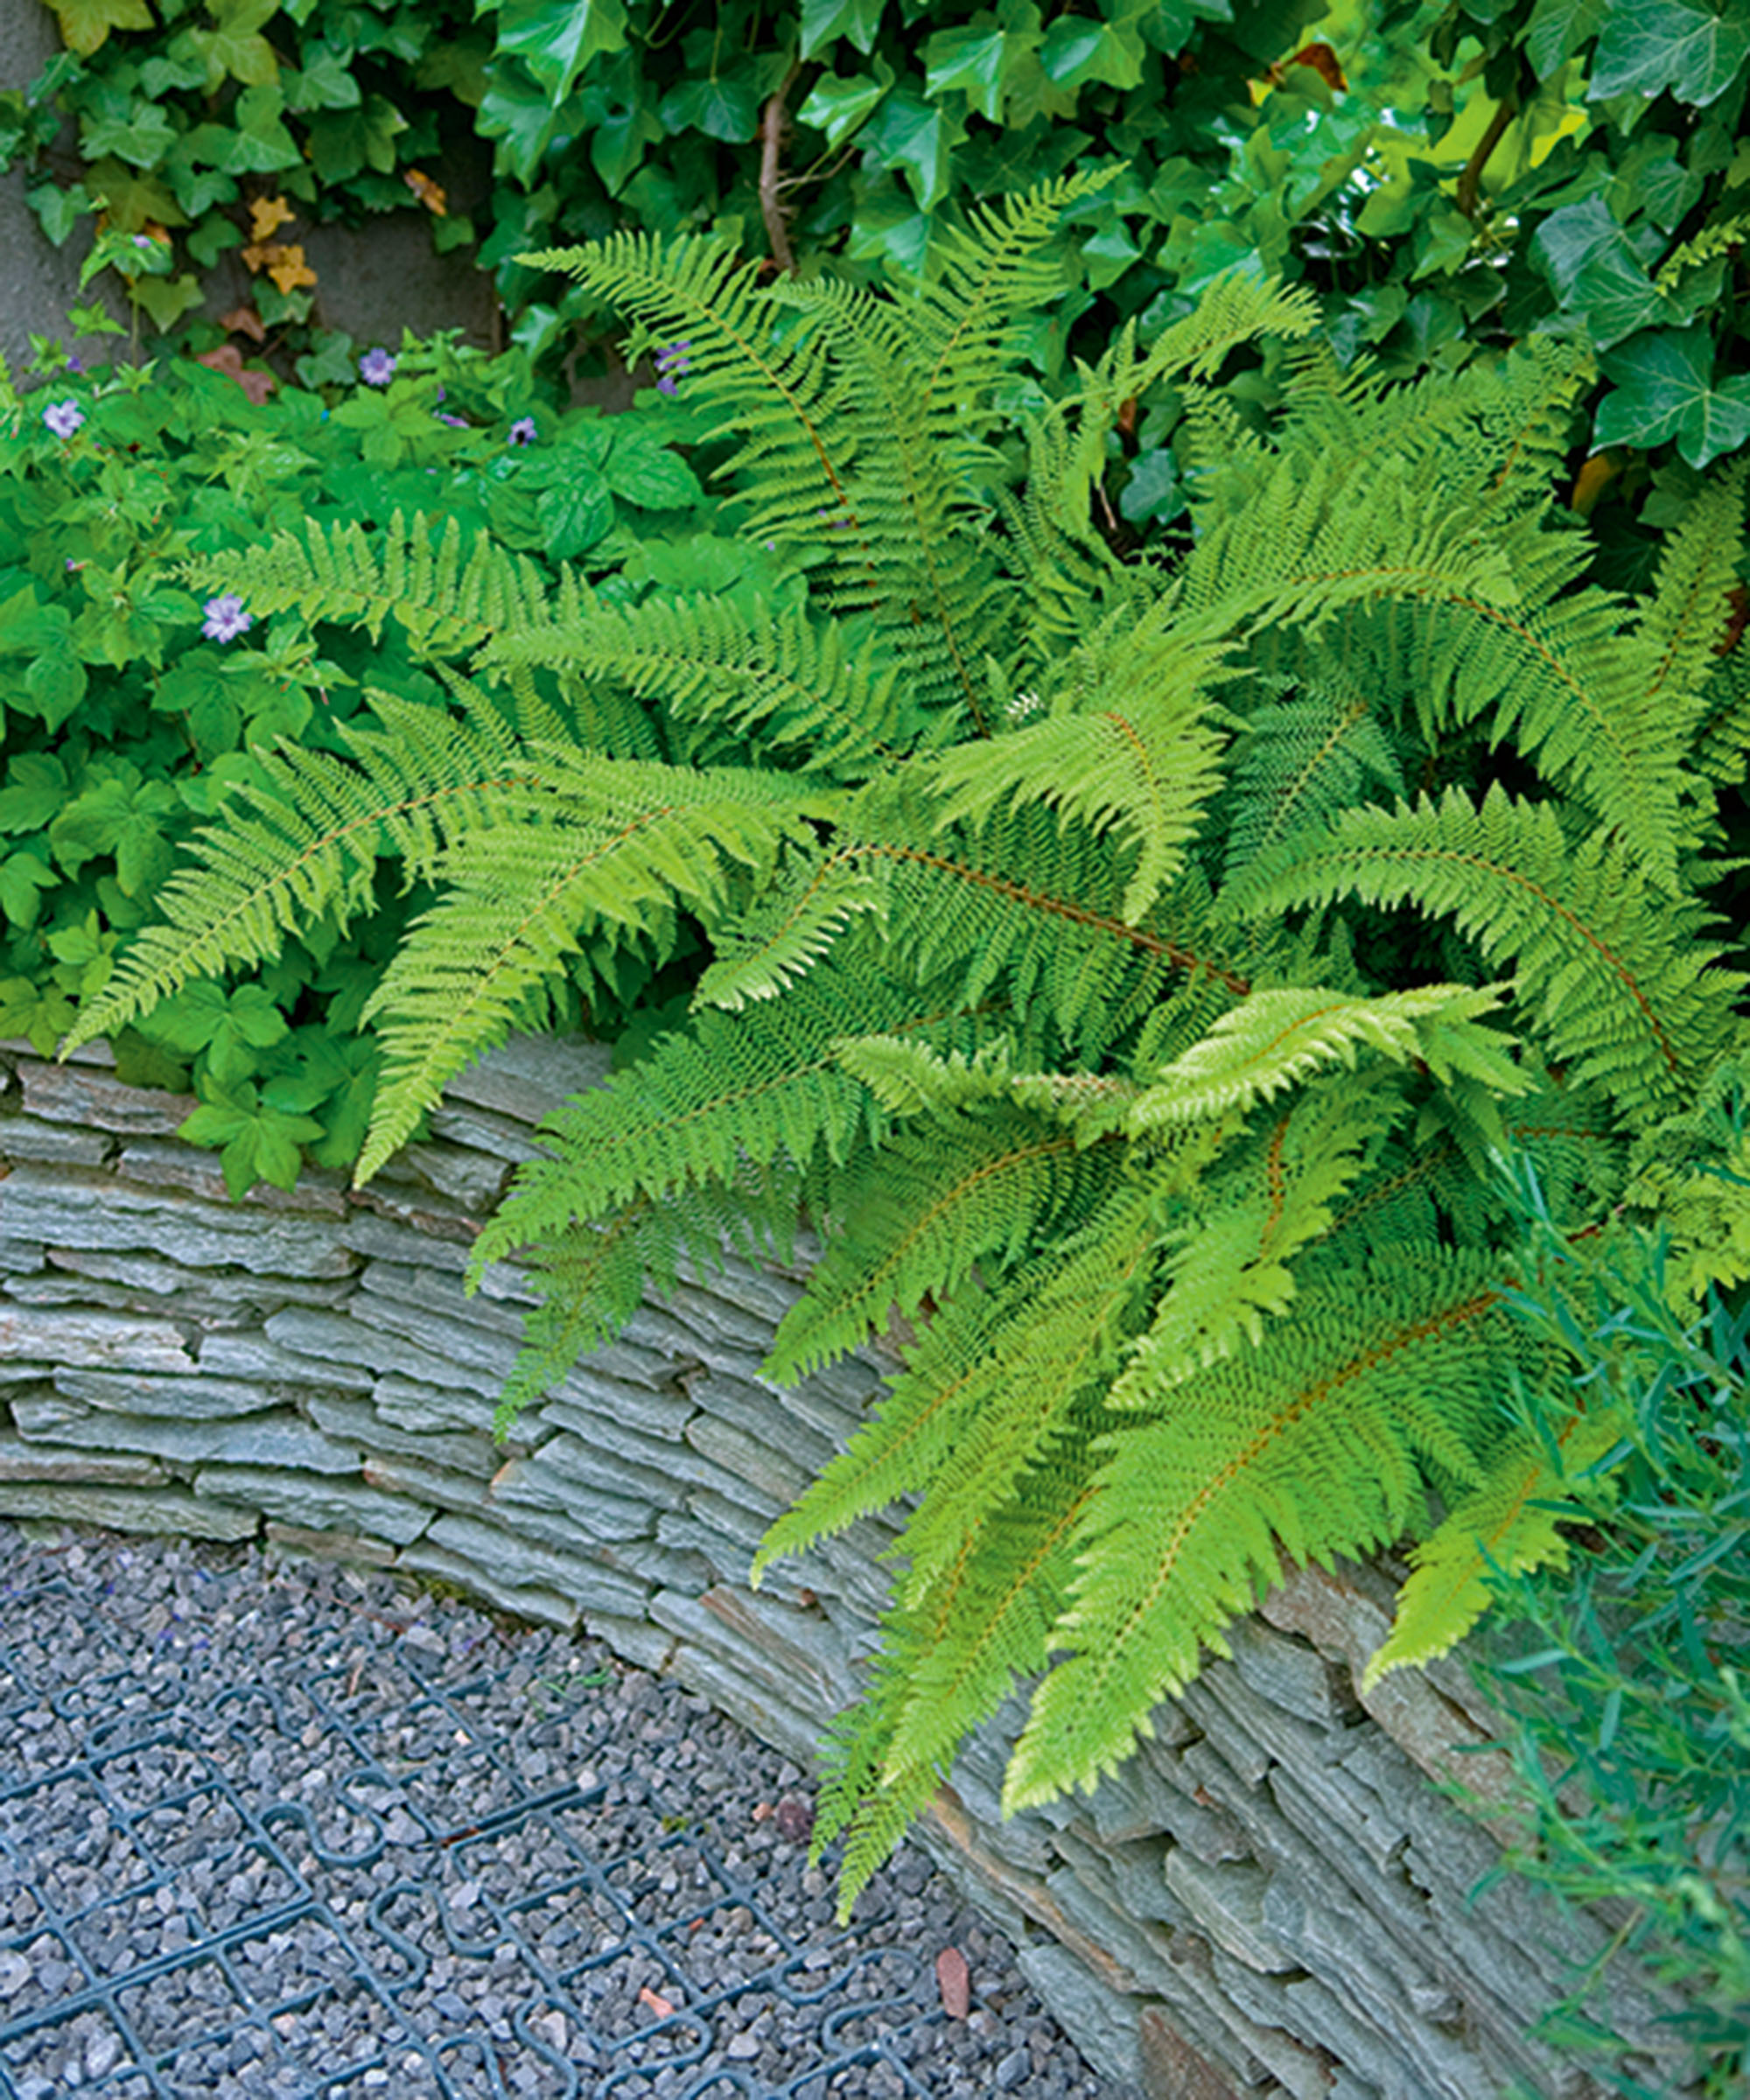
{"x":1273,"y":1898}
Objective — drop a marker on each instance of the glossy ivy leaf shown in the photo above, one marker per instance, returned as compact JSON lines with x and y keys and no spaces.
{"x":234,"y":48}
{"x":723,"y":105}
{"x":917,"y":140}
{"x":85,"y":24}
{"x":824,"y":21}
{"x":1594,"y":268}
{"x":555,"y":39}
{"x":1690,"y":47}
{"x":836,"y":107}
{"x":255,"y":1141}
{"x":1664,"y":388}
{"x":976,"y":61}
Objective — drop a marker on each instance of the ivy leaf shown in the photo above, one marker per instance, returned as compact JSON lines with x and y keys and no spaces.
{"x":257,"y":1142}
{"x":722,"y":105}
{"x":975,"y":61}
{"x":826,"y":21}
{"x":909,"y":134}
{"x":344,"y":142}
{"x":522,"y":118}
{"x":1558,"y":28}
{"x":1663,"y":389}
{"x":555,"y":39}
{"x":57,"y":210}
{"x":1594,"y":269}
{"x":35,"y":792}
{"x":1077,"y":50}
{"x":836,"y":107}
{"x":24,"y":877}
{"x":41,"y":1011}
{"x":85,"y":24}
{"x":1689,"y":47}
{"x":235,"y":49}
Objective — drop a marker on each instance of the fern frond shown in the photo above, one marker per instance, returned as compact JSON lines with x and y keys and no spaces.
{"x":1276,"y":1039}
{"x":635,"y":843}
{"x":818,"y":697}
{"x":307,"y":841}
{"x":1617,"y":977}
{"x":1507,"y":1526}
{"x":1300,"y":761}
{"x":450,"y":593}
{"x":1231,"y":1264}
{"x":778,"y":397}
{"x":918,"y":1219}
{"x":1309,"y":1444}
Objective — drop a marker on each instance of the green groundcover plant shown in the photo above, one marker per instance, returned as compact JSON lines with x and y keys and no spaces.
{"x":1625,"y":1675}
{"x":1130,"y":966}
{"x":133,"y":705}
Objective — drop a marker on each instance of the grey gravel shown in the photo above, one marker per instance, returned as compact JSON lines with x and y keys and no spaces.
{"x":295,"y":1831}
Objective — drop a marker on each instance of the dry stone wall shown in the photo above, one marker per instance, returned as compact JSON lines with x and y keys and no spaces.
{"x":1273,"y":1898}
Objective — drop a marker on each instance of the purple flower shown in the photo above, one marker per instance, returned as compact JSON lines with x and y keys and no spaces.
{"x":523,"y":431}
{"x":377,"y":368}
{"x":63,"y":417}
{"x":670,"y":358}
{"x":74,"y":363}
{"x":226,"y":617}
{"x":456,"y":422}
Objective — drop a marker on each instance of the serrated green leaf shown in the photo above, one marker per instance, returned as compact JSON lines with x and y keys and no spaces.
{"x":1663,"y":389}
{"x":24,"y":877}
{"x":1692,"y":47}
{"x":35,"y":792}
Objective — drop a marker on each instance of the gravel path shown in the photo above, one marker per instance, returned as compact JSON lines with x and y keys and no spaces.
{"x":278,"y":1831}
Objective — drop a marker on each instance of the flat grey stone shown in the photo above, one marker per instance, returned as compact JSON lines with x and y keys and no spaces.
{"x":38,"y":1334}
{"x":74,"y":1093}
{"x":20,"y":1257}
{"x":1285,"y":1670}
{"x":281,"y":1439}
{"x":346,"y":1546}
{"x":1228,"y":1902}
{"x":366,"y":1341}
{"x":481,"y":1130}
{"x":527,"y":1484}
{"x":801,"y":1658}
{"x":164,"y":1163}
{"x":253,"y":1355}
{"x":523,"y":1565}
{"x":1101,"y":2022}
{"x":528,"y":1077}
{"x":545,"y":1607}
{"x":412,"y":1204}
{"x":600,"y":1466}
{"x":23,"y":1461}
{"x":62,"y":1144}
{"x":76,"y":1207}
{"x":187,"y":1399}
{"x":357,"y":1422}
{"x":434,"y":1486}
{"x":750,"y":1701}
{"x":475,"y":1180}
{"x":315,"y":1504}
{"x":422,"y":1409}
{"x":382,"y":1239}
{"x":584,"y":1402}
{"x":145,"y":1275}
{"x":775,"y":1479}
{"x":159,"y":1510}
{"x":635,"y":1640}
{"x":767,"y":1415}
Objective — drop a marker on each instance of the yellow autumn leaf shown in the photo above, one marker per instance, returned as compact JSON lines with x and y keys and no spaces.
{"x":289,"y":270}
{"x":429,"y":193}
{"x":267,"y":214}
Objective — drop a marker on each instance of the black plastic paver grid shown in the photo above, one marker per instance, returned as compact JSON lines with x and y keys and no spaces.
{"x":330,"y":1880}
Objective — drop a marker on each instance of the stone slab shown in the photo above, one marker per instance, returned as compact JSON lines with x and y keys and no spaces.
{"x":279,"y":1439}
{"x":542,"y":1607}
{"x":253,"y":1355}
{"x":586,"y":1401}
{"x":772,"y":1718}
{"x":634,"y":1640}
{"x":1228,"y":1903}
{"x":432,"y":1409}
{"x":528,"y":1484}
{"x":523,"y":1565}
{"x":1100,"y":2021}
{"x":355,"y":1421}
{"x":23,"y":1461}
{"x":777,"y":1480}
{"x":38,"y":1334}
{"x":183,"y":1399}
{"x":599,"y":1464}
{"x":476,"y":1180}
{"x":435,"y":1486}
{"x":344,"y":1546}
{"x":145,"y":1275}
{"x":366,"y":1343}
{"x":526,"y":1078}
{"x":315,"y":1504}
{"x":161,"y":1163}
{"x":155,"y":1509}
{"x":77,"y":1207}
{"x":1172,"y":2070}
{"x":77,"y":1094}
{"x":56,"y":1144}
{"x":482,"y":1130}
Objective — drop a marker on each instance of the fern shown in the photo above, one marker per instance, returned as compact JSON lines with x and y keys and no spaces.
{"x":1133,"y":965}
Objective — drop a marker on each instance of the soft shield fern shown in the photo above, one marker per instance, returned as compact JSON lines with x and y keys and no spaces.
{"x":1132,"y":965}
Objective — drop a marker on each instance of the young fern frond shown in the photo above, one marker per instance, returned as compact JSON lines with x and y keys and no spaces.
{"x":310,"y":842}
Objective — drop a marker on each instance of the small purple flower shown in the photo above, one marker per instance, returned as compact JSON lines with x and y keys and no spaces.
{"x":456,"y":422}
{"x":226,"y":619}
{"x":74,"y":363}
{"x":63,"y":417}
{"x":377,"y":368}
{"x":523,"y":431}
{"x":670,"y":358}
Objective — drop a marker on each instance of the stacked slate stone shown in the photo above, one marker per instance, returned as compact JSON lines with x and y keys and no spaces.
{"x":1273,"y":1898}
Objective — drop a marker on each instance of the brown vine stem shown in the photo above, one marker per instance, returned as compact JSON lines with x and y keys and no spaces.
{"x":771,"y":146}
{"x":1470,"y":180}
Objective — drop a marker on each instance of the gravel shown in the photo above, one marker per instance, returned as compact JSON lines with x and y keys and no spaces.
{"x":288,"y":1831}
